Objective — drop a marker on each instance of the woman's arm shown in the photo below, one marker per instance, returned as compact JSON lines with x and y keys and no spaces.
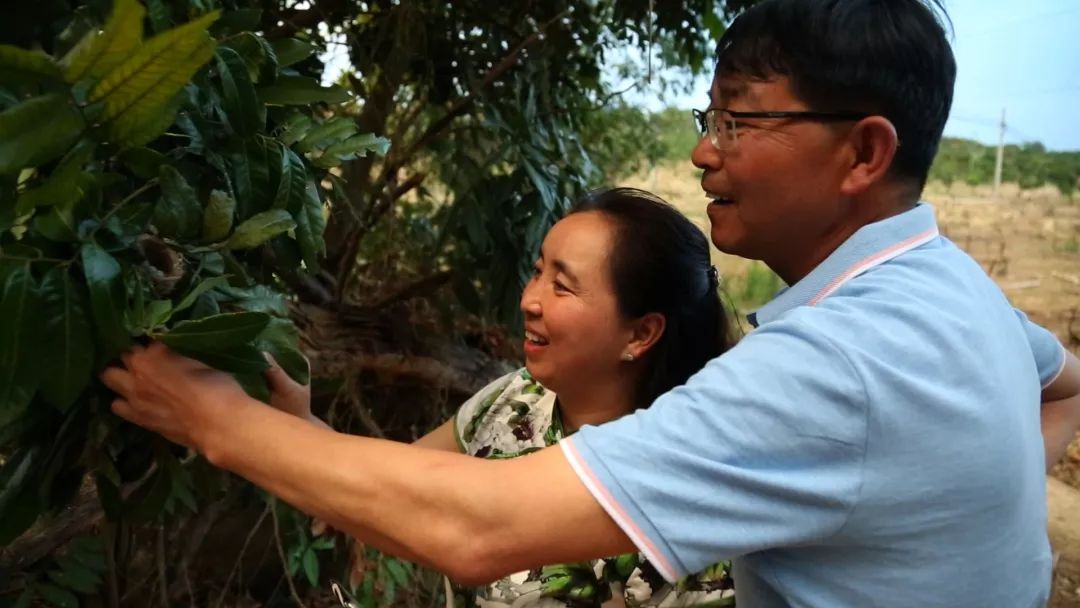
{"x":473,"y":518}
{"x":444,"y":437}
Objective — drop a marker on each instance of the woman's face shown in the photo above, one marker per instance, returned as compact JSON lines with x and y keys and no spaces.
{"x":573,"y":330}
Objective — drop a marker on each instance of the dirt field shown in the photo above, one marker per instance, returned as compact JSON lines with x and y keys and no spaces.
{"x":1029,"y":242}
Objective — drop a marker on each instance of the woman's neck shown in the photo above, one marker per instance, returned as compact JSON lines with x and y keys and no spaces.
{"x":596,"y":403}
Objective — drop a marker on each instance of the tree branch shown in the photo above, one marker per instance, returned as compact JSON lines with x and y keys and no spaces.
{"x":395,"y":161}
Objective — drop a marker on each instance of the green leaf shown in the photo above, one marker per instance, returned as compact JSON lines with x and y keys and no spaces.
{"x":65,"y":186}
{"x":259,"y":298}
{"x":108,"y":299}
{"x":291,"y":50}
{"x":328,"y":133}
{"x":101,"y":50}
{"x":310,"y":224}
{"x":153,"y":315}
{"x":216,"y":333}
{"x":58,"y":225}
{"x":25,"y":598}
{"x":148,"y":500}
{"x":19,"y":502}
{"x":257,"y":54}
{"x":397,"y":572}
{"x":83,"y":576}
{"x":359,"y":145}
{"x":76,"y":578}
{"x":299,"y":90}
{"x":245,"y":114}
{"x":254,"y":385}
{"x":141,"y":128}
{"x":19,"y":356}
{"x":178,"y":213}
{"x":160,"y":15}
{"x":282,"y":341}
{"x":293,"y":183}
{"x":311,"y":567}
{"x":355,"y":147}
{"x":218,"y":216}
{"x":22,"y":66}
{"x":67,"y":339}
{"x":141,"y":88}
{"x":37,"y":131}
{"x":143,"y":162}
{"x":244,"y":359}
{"x":89,"y":552}
{"x":56,"y":596}
{"x":238,"y":21}
{"x":294,"y":128}
{"x":248,"y":165}
{"x":200,"y":289}
{"x":323,"y":543}
{"x":260,"y":228}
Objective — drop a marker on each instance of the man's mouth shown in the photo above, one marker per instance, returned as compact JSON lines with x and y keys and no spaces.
{"x":535,"y":338}
{"x":716,"y":199}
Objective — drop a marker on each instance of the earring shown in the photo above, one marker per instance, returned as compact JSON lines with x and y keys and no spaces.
{"x":627,"y":357}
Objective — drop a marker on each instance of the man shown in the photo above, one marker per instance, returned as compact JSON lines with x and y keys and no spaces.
{"x":878,"y":440}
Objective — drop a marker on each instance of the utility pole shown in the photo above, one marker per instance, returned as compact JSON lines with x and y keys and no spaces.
{"x":1000,"y":154}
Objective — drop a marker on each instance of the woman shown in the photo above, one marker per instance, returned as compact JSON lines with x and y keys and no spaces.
{"x":622,"y":306}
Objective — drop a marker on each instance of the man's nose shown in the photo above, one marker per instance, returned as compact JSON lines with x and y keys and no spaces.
{"x":706,"y":156}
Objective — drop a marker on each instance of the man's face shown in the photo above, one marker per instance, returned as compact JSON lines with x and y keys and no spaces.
{"x":774,"y":193}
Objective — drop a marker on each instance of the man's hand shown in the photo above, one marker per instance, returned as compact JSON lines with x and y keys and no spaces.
{"x":287,"y":394}
{"x":177,"y":397}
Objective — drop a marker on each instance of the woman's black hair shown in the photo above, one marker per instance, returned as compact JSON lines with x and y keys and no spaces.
{"x":660,"y":264}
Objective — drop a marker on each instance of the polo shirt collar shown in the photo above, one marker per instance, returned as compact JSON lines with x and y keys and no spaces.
{"x":871,"y":245}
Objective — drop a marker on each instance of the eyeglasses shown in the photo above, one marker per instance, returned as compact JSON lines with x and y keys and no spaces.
{"x":722,"y":125}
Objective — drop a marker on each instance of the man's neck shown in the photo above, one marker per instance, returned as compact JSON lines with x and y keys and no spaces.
{"x":794,"y":265}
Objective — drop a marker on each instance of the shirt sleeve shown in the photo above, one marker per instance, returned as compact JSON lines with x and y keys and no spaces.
{"x":470,"y":412}
{"x":761,"y":448}
{"x":1048,"y":351}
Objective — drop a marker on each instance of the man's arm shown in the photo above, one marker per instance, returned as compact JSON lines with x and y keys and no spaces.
{"x":471,"y":518}
{"x":443,"y":437}
{"x":1061,"y":410}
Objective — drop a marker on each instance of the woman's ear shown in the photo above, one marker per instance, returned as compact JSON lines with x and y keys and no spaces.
{"x":646,"y":332}
{"x":874,"y":143}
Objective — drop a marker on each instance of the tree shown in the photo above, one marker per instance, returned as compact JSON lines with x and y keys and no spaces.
{"x":177,"y":171}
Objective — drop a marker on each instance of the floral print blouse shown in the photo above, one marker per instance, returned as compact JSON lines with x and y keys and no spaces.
{"x":514,"y":416}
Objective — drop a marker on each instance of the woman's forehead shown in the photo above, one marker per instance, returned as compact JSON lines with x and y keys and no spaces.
{"x":582,"y":241}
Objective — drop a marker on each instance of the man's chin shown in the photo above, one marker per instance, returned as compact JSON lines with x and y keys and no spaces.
{"x":726,"y":243}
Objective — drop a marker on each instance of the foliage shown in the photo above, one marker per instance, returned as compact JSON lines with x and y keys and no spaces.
{"x":1030,"y":165}
{"x":499,"y":118}
{"x":178,"y":170}
{"x":150,"y":187}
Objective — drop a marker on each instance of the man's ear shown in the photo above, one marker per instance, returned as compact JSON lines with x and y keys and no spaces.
{"x":873,"y":142}
{"x":647,"y":331}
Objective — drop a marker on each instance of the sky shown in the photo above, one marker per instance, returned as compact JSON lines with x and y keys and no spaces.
{"x":1020,"y":56}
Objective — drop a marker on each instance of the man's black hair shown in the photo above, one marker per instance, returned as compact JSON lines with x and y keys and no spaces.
{"x":888,"y":57}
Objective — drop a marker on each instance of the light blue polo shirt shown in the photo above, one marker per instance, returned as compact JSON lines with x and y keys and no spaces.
{"x":875,"y":441}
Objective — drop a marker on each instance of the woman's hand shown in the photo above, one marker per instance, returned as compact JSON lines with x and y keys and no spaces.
{"x":287,"y":394}
{"x":179,"y":398}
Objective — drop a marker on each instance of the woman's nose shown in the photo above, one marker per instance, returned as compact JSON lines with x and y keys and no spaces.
{"x":530,"y":303}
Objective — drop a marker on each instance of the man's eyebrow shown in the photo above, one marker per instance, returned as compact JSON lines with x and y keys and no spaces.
{"x":728,"y":90}
{"x":562,"y":267}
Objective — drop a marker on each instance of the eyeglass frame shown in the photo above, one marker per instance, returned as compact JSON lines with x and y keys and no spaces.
{"x":701,"y":117}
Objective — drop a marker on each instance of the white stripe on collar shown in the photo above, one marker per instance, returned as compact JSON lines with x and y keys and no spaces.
{"x":878,"y":258}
